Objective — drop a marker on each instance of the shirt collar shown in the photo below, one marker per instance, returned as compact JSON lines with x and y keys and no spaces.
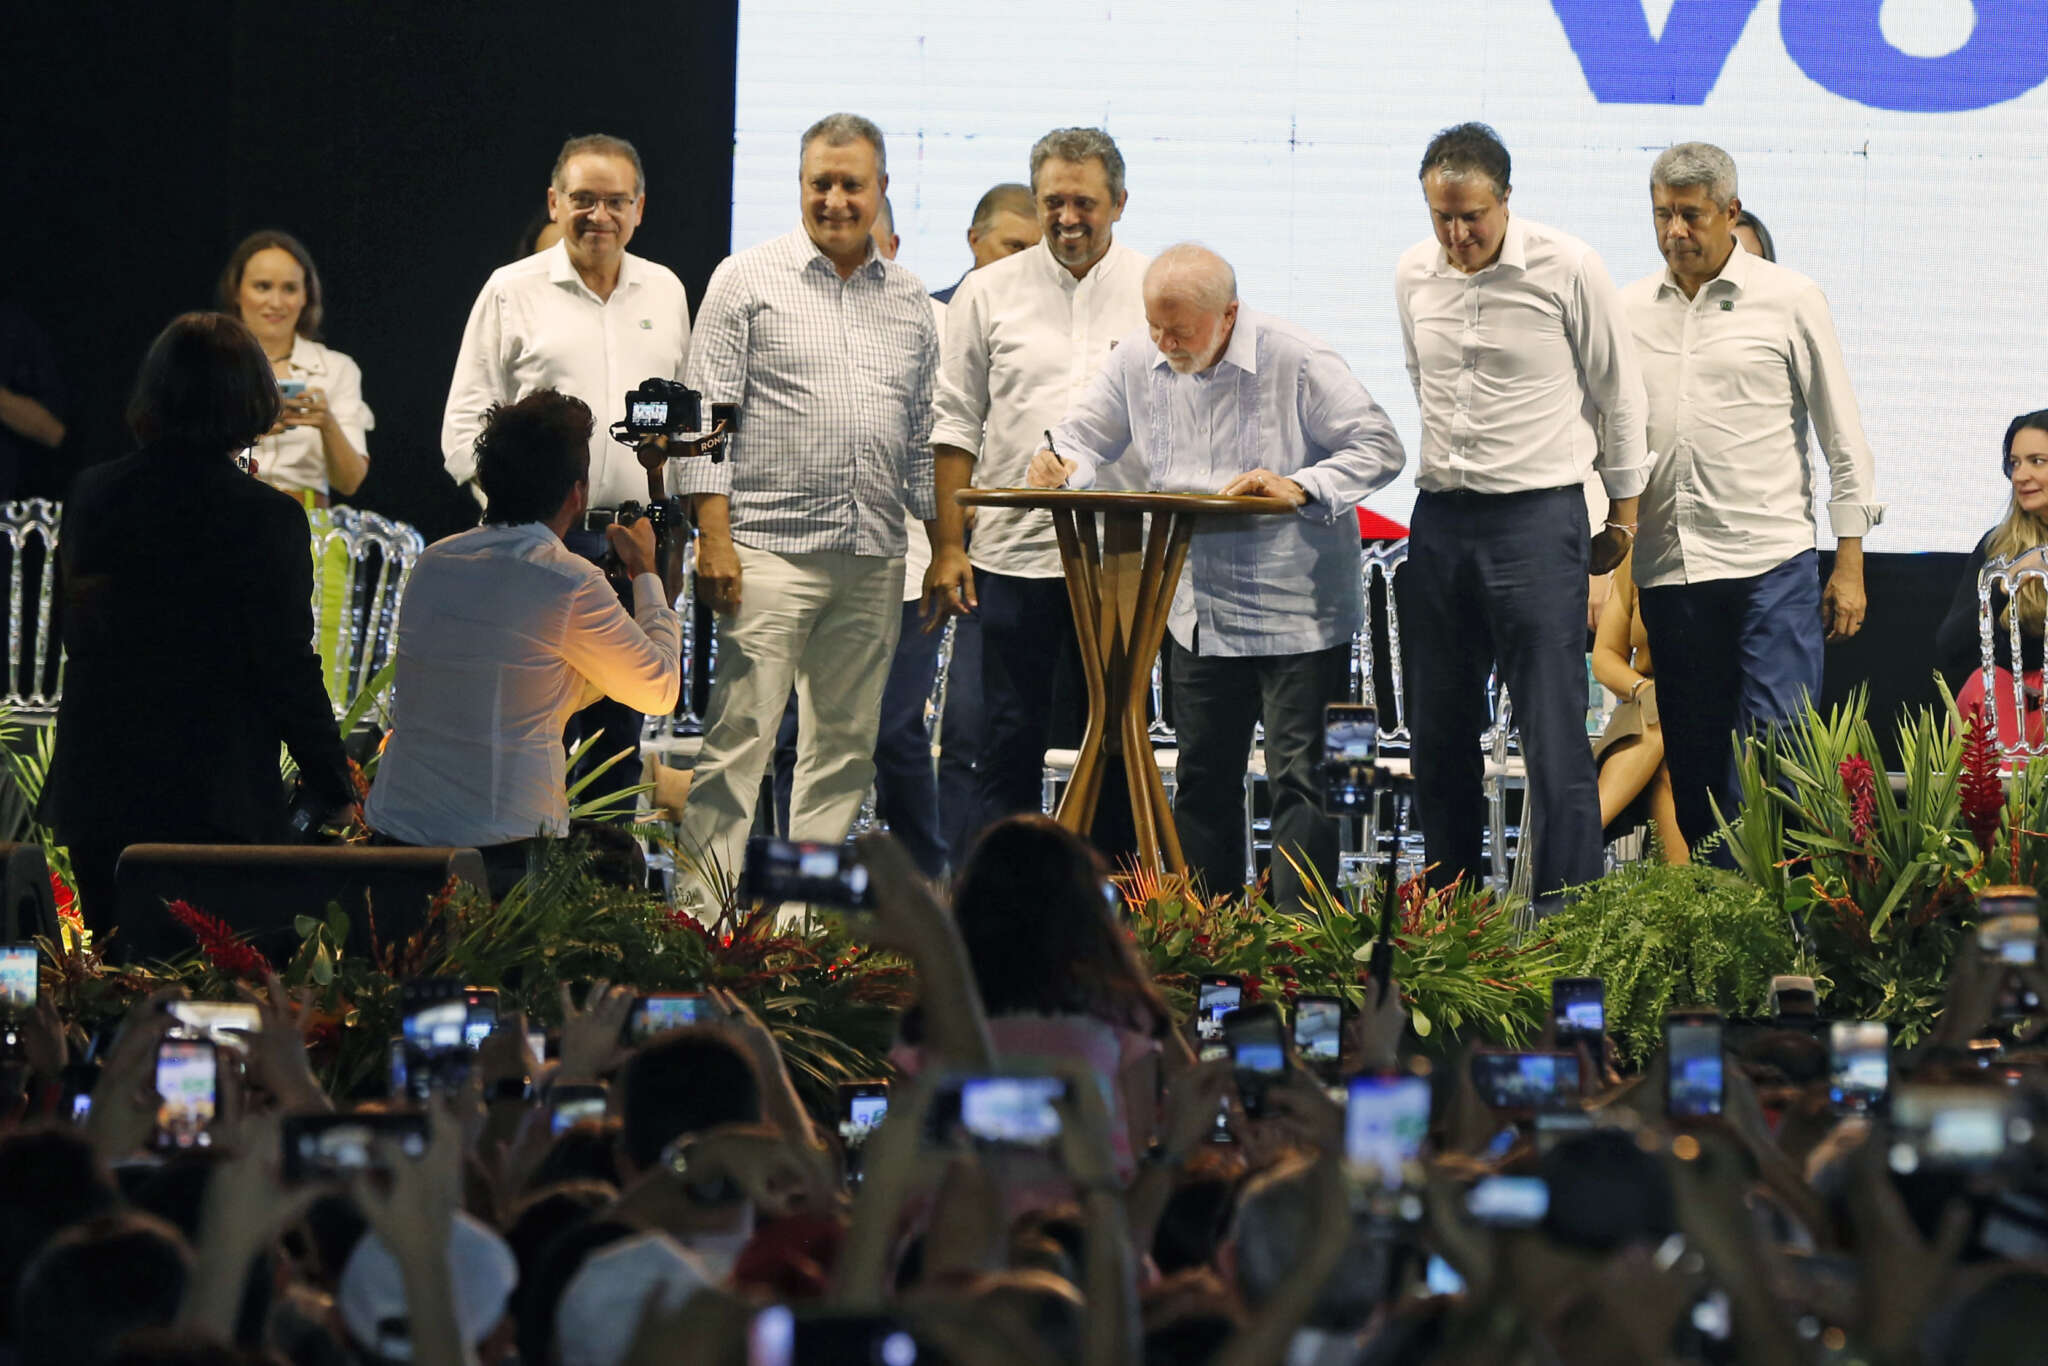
{"x":1242,"y":350}
{"x":305,"y":356}
{"x":810,"y":256}
{"x":562,"y":271}
{"x":1050,"y":264}
{"x":1514,"y":252}
{"x":1735,"y":273}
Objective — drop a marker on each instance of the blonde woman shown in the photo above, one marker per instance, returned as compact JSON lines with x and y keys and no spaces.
{"x":2024,"y":528}
{"x":1630,"y":752}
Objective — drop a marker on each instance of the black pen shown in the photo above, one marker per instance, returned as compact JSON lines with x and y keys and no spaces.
{"x":1055,"y":451}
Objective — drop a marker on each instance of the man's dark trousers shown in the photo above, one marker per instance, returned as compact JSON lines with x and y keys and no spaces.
{"x":1033,"y":700}
{"x":1216,"y":702}
{"x":1733,"y":656}
{"x":620,"y":724}
{"x":1500,"y":579}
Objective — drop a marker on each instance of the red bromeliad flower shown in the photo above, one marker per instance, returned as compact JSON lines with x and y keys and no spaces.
{"x":1982,"y":791}
{"x":1859,"y":785}
{"x":222,"y":947}
{"x":67,"y":900}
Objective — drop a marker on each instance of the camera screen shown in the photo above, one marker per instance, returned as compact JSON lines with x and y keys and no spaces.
{"x":1012,"y":1110}
{"x":865,"y":1112}
{"x":1579,"y":1008}
{"x":1215,"y":1000}
{"x":1695,"y":1065}
{"x":649,"y":413}
{"x":654,"y":1015}
{"x":1385,"y":1121}
{"x":1351,"y":735}
{"x":1859,"y":1063}
{"x":571,"y":1112}
{"x":215,"y":1018}
{"x":1318,"y":1030}
{"x":2011,"y":939}
{"x":479,"y":1019}
{"x":18,"y":977}
{"x":794,"y":870}
{"x":1509,"y":1201}
{"x":186,"y":1076}
{"x":779,"y":1336}
{"x":443,"y":1025}
{"x":1524,"y":1081}
{"x":332,"y":1149}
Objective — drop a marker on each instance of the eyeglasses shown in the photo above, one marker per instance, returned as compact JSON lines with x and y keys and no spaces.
{"x":617,"y":205}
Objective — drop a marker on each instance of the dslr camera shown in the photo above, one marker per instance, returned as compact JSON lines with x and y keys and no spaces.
{"x":668,"y":408}
{"x":663,"y":407}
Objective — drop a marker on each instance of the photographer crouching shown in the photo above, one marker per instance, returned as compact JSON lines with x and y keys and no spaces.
{"x":505,"y":632}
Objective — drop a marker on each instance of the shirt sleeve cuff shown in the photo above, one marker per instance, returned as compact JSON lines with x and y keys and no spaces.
{"x":960,"y":438}
{"x":1320,"y":507}
{"x":649,"y":595}
{"x":699,"y":475}
{"x":1854,"y":519}
{"x":1626,"y":483}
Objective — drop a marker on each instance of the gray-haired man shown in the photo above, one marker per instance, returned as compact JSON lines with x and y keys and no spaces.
{"x":829,"y":349}
{"x":1736,"y":354}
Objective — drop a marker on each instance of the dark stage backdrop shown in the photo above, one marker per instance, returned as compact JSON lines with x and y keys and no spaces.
{"x":407,"y":145}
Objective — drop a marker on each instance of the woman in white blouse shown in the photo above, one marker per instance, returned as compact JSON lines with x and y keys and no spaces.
{"x":319,"y":445}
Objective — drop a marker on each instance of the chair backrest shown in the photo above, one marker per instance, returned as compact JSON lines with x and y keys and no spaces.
{"x":2018,"y":713}
{"x":1376,"y":664}
{"x":360,"y":566}
{"x":35,"y":652}
{"x":28,"y":904}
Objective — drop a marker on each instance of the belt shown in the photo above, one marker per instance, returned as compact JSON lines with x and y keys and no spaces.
{"x":1475,"y":496}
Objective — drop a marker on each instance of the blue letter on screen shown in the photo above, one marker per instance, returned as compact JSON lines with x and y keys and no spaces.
{"x":1625,"y":65}
{"x":1838,"y":43}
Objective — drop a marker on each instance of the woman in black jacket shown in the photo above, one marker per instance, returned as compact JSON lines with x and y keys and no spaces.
{"x":188,"y":621}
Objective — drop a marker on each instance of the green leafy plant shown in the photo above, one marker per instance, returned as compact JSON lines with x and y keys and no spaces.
{"x":1665,"y":937}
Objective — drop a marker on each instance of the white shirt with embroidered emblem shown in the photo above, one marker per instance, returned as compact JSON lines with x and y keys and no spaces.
{"x":1279,"y":398}
{"x":536,"y":325}
{"x":1525,"y":371}
{"x":834,"y":382}
{"x":504,"y":633}
{"x":296,"y":458}
{"x":1734,"y":374}
{"x":1024,"y":338}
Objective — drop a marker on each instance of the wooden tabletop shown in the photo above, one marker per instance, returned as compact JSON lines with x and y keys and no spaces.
{"x":1090,"y":500}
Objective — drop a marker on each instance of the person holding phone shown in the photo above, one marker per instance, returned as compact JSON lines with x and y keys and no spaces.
{"x":1055,"y":973}
{"x":319,"y":445}
{"x":1215,"y":398}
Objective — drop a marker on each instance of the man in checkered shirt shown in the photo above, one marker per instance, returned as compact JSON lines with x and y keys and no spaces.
{"x":830,"y":352}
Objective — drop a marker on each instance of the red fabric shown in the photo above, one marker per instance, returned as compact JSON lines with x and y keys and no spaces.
{"x":1373,"y":527}
{"x":2009,"y":732}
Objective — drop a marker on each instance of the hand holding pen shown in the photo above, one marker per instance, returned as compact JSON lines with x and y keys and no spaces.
{"x":1048,"y":470}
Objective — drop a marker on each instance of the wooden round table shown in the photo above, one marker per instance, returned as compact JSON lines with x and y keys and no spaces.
{"x":1121,"y":588}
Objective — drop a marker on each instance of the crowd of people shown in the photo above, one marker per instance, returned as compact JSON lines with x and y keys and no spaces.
{"x":1055,"y":1174}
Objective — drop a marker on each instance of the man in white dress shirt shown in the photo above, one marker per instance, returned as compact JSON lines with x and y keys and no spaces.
{"x":1024,"y":337}
{"x":503,"y":634}
{"x":1523,"y":367}
{"x":1214,"y":398}
{"x":588,"y":318}
{"x":828,"y":348}
{"x":1737,"y":354}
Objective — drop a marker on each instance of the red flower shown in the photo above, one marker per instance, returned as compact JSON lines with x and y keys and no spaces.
{"x":1859,"y":785}
{"x":222,"y":947}
{"x":1982,"y":792}
{"x":67,"y":900}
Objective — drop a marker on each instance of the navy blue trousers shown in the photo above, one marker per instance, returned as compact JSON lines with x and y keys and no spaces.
{"x":1732,"y":656}
{"x":1500,"y":579}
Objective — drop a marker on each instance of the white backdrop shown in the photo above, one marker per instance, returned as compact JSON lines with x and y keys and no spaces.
{"x":1286,"y":136}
